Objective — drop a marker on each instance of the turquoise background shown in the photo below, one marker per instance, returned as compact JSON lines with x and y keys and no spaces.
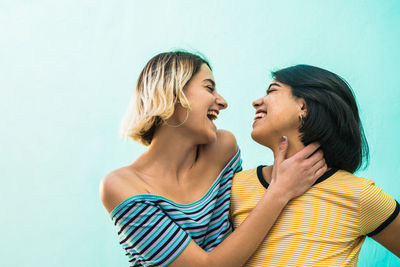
{"x":68,"y":69}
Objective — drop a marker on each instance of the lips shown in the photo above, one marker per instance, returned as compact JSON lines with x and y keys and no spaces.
{"x":212,"y":114}
{"x":260,"y":114}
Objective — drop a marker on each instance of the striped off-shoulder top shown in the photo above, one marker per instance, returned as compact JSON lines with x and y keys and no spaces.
{"x":154,"y":230}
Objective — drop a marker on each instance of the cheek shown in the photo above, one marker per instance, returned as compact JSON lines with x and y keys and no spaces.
{"x":281,"y":118}
{"x":284,"y":109}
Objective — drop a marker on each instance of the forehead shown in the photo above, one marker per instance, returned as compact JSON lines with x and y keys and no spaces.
{"x":275,"y":83}
{"x":204,"y":73}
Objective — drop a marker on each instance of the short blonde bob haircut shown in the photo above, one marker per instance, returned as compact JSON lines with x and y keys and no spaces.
{"x":159,"y":87}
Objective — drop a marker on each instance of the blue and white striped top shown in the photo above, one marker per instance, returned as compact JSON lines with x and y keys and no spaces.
{"x":154,"y":230}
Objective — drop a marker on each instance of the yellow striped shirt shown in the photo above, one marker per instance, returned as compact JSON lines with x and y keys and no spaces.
{"x":324,"y":227}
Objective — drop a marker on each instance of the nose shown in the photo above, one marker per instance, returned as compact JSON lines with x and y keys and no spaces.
{"x":221,"y":102}
{"x":257,"y":102}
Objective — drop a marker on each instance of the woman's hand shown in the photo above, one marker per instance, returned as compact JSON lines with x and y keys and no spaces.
{"x":295,"y":175}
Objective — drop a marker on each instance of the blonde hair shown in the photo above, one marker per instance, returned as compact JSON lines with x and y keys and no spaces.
{"x":159,"y":86}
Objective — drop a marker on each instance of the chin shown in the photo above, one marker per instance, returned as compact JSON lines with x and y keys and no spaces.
{"x":256,"y":136}
{"x":259,"y":138}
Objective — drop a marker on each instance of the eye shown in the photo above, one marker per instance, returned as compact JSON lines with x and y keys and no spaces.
{"x":210,"y":88}
{"x":270,"y":91}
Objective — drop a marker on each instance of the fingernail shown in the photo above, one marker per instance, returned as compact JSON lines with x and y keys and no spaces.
{"x":283,"y":139}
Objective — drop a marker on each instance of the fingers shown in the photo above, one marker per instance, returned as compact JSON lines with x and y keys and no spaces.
{"x":308,"y":150}
{"x":314,"y":158}
{"x":319,"y":168}
{"x":283,"y":146}
{"x":317,"y":164}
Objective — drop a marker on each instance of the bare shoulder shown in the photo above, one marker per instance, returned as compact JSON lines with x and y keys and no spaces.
{"x":119,"y":185}
{"x":224,"y":148}
{"x":227,"y":140}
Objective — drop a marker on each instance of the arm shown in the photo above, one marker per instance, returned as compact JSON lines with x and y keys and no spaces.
{"x":390,"y":237}
{"x":291,"y":178}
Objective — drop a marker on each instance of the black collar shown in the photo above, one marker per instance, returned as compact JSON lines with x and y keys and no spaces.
{"x":264,"y":183}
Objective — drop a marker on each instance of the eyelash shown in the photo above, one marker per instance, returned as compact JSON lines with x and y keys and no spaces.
{"x":210,"y":88}
{"x":270,"y":90}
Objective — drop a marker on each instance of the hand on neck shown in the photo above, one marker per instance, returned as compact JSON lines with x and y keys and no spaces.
{"x":295,"y":145}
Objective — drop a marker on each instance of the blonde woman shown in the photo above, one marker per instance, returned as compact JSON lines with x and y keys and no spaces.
{"x":171,"y":205}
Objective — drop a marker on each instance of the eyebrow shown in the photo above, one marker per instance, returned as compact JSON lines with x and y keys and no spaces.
{"x":210,"y":81}
{"x":273,"y":84}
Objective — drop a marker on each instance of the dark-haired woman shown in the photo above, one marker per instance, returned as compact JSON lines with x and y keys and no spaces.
{"x":328,"y":224}
{"x":171,"y":205}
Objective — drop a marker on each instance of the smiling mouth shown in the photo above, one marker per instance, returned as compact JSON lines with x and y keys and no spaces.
{"x":260,"y":115}
{"x":212,"y":114}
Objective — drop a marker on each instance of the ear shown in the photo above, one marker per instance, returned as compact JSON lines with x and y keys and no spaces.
{"x":302,"y":105}
{"x":176,"y":101}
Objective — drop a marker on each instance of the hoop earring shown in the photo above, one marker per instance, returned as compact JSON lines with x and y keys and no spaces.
{"x":301,"y":119}
{"x":180,"y":124}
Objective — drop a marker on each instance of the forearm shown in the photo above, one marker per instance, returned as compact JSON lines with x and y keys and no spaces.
{"x":296,"y":175}
{"x":390,"y":237}
{"x":237,"y":248}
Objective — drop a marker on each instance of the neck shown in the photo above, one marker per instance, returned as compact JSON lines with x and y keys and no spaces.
{"x":170,"y":154}
{"x":295,"y":145}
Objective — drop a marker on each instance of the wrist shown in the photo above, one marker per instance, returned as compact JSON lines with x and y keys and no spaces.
{"x":279,"y":195}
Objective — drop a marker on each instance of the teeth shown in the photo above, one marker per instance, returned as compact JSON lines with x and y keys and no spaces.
{"x":213,"y":115}
{"x":260,"y":115}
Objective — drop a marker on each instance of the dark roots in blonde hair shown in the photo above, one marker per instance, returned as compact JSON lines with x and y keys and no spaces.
{"x":159,"y":86}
